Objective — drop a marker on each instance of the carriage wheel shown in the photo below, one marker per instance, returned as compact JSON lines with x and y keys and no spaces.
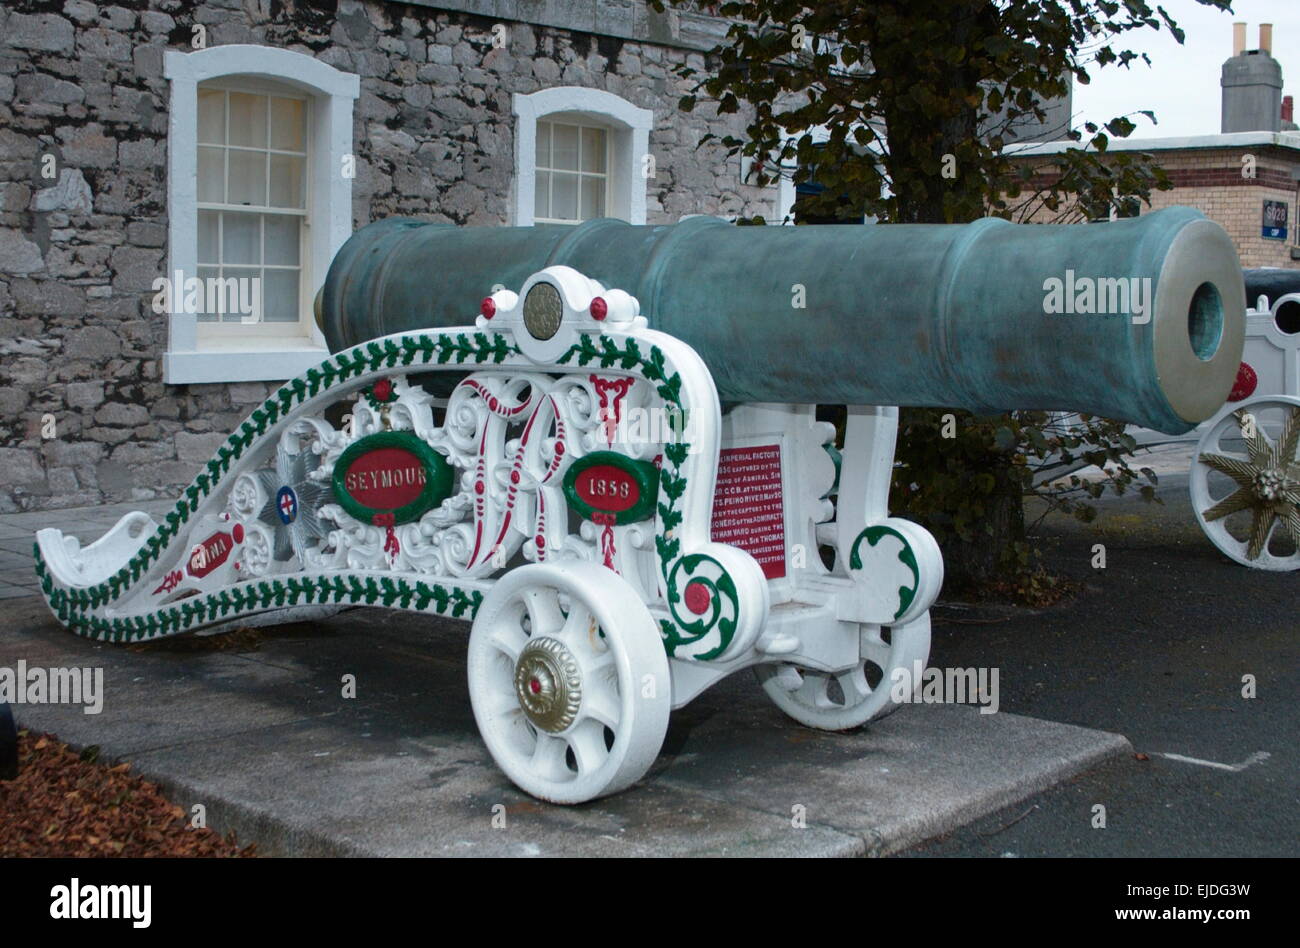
{"x":1245,"y":483}
{"x":840,"y":701}
{"x":569,"y":681}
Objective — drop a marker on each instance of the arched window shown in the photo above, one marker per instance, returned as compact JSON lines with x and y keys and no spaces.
{"x":580,"y":153}
{"x":259,"y":199}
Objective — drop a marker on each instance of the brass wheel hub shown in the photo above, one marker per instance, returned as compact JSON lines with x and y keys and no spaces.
{"x":548,"y":684}
{"x":1270,"y":485}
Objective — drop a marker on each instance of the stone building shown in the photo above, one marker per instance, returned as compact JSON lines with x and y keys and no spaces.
{"x":1246,"y":177}
{"x":240,"y":142}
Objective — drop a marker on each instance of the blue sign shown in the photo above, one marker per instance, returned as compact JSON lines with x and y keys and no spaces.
{"x":1275,"y":220}
{"x":286,"y":505}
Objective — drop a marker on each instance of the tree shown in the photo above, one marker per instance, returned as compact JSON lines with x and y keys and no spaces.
{"x":915,"y":101}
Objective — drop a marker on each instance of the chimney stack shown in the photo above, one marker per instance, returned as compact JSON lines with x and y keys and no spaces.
{"x":1288,"y":111}
{"x":1252,"y":85}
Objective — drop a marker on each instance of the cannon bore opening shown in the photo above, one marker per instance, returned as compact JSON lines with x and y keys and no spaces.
{"x":1205,"y":321}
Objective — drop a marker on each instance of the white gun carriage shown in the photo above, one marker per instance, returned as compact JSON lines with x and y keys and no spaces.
{"x":561,"y":474}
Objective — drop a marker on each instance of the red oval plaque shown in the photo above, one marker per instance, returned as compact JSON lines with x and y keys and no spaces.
{"x":385,"y":478}
{"x":607,"y":488}
{"x":208,"y":555}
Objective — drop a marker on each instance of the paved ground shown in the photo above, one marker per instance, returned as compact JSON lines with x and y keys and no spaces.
{"x":266,"y":742}
{"x":87,"y":524}
{"x":1153,"y":648}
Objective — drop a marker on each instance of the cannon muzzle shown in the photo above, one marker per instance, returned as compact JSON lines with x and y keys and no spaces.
{"x":1139,"y":319}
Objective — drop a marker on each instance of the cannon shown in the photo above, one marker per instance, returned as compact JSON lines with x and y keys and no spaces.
{"x":559,"y":470}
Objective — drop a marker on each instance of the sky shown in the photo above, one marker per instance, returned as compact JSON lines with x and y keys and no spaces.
{"x":1182,"y":83}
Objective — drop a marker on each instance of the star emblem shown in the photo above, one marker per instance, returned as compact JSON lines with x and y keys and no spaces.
{"x":1268,"y":482}
{"x":293,"y":500}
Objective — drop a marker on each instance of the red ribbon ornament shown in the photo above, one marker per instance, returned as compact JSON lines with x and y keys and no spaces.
{"x":391,"y":546}
{"x":606,"y":520}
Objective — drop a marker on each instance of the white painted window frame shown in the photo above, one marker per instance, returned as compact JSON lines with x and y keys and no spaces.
{"x":629,"y":135}
{"x":606,"y":176}
{"x":215,"y":332}
{"x":333,"y":93}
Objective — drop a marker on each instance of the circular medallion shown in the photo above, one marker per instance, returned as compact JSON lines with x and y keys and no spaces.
{"x":548,"y":684}
{"x":286,"y":504}
{"x":543,"y":311}
{"x":698,"y":597}
{"x":1244,"y":387}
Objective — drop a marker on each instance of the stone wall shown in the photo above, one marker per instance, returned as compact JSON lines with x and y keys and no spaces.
{"x":84,"y":415}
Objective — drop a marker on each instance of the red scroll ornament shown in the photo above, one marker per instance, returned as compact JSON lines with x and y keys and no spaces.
{"x":609,"y":411}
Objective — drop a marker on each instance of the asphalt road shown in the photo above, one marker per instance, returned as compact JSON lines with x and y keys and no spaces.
{"x":1155,"y":647}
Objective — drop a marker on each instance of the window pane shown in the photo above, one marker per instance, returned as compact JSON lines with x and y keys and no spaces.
{"x":564,"y":197}
{"x":241,"y":238}
{"x":206,"y":274}
{"x":542,"y":197}
{"x":564,"y":148}
{"x":212,"y":116}
{"x":593,"y":198}
{"x":208,"y":237}
{"x":281,"y":239}
{"x":280,"y":294}
{"x":287,"y":124}
{"x":593,"y":149}
{"x":247,"y":178}
{"x":212,"y":175}
{"x":248,"y":119}
{"x":286,"y":181}
{"x":543,"y":144}
{"x":240,"y":292}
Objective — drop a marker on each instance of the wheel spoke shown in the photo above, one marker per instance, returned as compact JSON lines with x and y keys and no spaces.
{"x":854,"y":685}
{"x":587,"y":741}
{"x":581,"y":633}
{"x":601,"y":702}
{"x":1291,"y":520}
{"x":1240,"y":499}
{"x":813,"y":690}
{"x":1239,"y":469}
{"x":544,"y":613}
{"x":1288,"y":439}
{"x":876,"y":650}
{"x":1261,"y":528}
{"x":1257,"y":445}
{"x":577,"y":625}
{"x":508,"y":640}
{"x":548,"y":756}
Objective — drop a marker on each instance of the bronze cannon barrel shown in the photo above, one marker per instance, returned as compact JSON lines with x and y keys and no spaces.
{"x":1139,"y":319}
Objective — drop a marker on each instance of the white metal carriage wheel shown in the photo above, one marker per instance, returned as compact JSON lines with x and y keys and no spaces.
{"x":569,"y":681}
{"x":840,"y":701}
{"x":1247,"y":472}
